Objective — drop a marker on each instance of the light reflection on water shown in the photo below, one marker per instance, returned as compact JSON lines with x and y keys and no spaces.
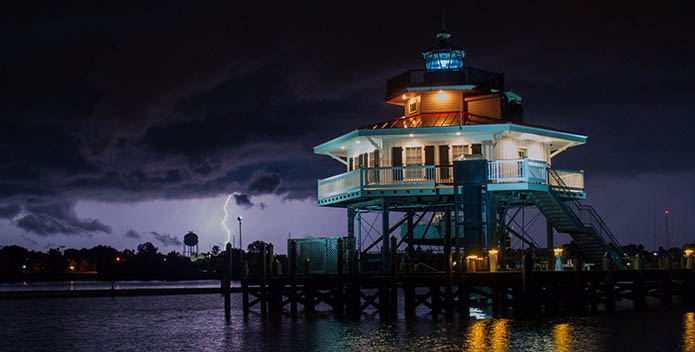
{"x":689,"y":332}
{"x":196,"y":323}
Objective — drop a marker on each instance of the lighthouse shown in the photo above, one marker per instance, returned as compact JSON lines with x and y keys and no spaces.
{"x":458,"y":164}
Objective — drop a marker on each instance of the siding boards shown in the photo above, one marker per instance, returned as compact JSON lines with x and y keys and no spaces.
{"x":429,"y":102}
{"x":487,"y":106}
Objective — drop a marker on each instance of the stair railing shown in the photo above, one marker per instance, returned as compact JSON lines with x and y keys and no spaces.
{"x":586,"y":214}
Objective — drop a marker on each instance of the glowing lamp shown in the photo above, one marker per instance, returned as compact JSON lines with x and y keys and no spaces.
{"x":458,"y":133}
{"x":493,"y":251}
{"x":441,"y":96}
{"x":688,"y":252}
{"x":342,"y":147}
{"x":411,"y":135}
{"x":557,"y":251}
{"x":404,"y":97}
{"x":118,"y":259}
{"x":472,"y":257}
{"x":357,"y":141}
{"x":666,"y":211}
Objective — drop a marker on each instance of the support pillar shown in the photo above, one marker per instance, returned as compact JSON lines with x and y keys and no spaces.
{"x":351,"y":247}
{"x":385,"y":251}
{"x":410,"y":251}
{"x":448,"y":290}
{"x":226,"y":282}
{"x":292,"y":270}
{"x":550,"y":244}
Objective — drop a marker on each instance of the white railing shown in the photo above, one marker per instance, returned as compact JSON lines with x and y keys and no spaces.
{"x":428,"y":175}
{"x":499,"y":171}
{"x":520,"y":170}
{"x":347,"y":182}
{"x":572,"y":179}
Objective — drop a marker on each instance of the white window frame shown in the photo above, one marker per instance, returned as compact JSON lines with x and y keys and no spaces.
{"x":456,"y":153}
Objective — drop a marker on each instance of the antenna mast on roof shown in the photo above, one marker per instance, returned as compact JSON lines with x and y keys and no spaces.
{"x":442,"y":8}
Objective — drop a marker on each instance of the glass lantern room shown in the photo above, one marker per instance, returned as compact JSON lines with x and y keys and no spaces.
{"x":444,"y":56}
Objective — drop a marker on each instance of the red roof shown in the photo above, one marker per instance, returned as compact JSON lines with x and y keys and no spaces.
{"x":438,"y":119}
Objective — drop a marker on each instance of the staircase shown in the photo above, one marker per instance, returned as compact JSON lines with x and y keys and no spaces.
{"x":582,"y":222}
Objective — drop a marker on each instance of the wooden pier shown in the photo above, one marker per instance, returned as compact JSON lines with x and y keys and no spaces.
{"x":519,"y":294}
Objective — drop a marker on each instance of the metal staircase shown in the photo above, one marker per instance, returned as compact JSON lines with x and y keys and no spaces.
{"x":582,"y":222}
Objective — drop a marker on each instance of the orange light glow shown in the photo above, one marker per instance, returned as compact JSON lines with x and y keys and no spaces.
{"x":688,"y":252}
{"x":404,"y":97}
{"x":441,"y":96}
{"x":666,"y":211}
{"x":118,"y":259}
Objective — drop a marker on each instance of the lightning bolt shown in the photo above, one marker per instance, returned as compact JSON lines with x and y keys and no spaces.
{"x":224,"y":220}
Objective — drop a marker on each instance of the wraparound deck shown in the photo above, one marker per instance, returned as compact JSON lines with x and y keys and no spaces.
{"x":432,"y":180}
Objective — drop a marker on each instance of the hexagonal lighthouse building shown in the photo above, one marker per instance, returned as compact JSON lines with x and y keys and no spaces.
{"x":462,"y":153}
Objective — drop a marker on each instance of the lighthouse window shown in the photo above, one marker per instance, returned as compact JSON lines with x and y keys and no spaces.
{"x":413,"y":156}
{"x":412,"y":107}
{"x":458,"y":151}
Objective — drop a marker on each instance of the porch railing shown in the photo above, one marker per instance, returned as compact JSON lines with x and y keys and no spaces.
{"x":517,"y":170}
{"x":499,"y":171}
{"x":571,"y":179}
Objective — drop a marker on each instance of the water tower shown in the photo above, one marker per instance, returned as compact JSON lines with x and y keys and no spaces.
{"x":190,"y":244}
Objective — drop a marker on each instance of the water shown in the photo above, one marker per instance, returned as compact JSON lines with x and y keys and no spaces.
{"x":196,"y":323}
{"x":106,"y":285}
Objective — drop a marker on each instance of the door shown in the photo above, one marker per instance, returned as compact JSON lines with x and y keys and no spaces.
{"x":444,"y":163}
{"x":429,"y":161}
{"x":397,"y":161}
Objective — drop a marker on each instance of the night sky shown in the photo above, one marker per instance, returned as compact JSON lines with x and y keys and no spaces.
{"x":130,"y":123}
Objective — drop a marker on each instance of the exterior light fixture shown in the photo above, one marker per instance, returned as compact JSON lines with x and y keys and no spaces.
{"x":458,"y":133}
{"x":557,"y":251}
{"x":493,"y":251}
{"x":411,"y":135}
{"x":441,"y":96}
{"x":666,"y":211}
{"x":118,"y":259}
{"x":404,"y":97}
{"x":472,"y":257}
{"x":688,"y":252}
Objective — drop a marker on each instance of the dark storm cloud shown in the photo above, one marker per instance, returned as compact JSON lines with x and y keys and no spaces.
{"x":10,"y":211}
{"x":263,"y":183}
{"x":166,"y":239}
{"x":190,"y":100}
{"x":58,"y":218}
{"x":242,"y":200}
{"x":132,"y":234}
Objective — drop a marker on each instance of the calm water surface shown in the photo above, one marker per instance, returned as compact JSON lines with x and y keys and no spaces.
{"x":196,"y":323}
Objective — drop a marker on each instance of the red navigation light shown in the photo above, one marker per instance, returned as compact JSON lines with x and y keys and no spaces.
{"x":666,"y":212}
